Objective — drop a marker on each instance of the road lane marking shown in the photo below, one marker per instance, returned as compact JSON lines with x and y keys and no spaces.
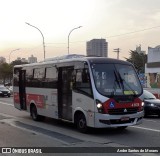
{"x":150,"y":120}
{"x":149,"y":129}
{"x":3,"y":103}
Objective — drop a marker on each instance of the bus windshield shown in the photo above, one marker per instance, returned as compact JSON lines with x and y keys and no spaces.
{"x":116,"y":79}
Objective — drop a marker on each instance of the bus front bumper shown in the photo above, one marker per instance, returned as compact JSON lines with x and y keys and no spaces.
{"x":105,"y":120}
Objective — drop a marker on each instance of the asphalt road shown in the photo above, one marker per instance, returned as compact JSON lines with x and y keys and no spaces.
{"x":19,"y":130}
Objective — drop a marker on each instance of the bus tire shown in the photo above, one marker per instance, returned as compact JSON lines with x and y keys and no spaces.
{"x":81,"y":123}
{"x":34,"y":113}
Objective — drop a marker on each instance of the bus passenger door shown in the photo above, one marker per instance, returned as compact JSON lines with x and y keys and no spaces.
{"x":65,"y":93}
{"x":22,"y":89}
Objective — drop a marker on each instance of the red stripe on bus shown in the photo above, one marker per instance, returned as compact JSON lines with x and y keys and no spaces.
{"x":39,"y":100}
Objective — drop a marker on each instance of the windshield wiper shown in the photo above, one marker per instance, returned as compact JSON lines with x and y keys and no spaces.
{"x":114,"y":89}
{"x":148,"y":98}
{"x":116,"y":81}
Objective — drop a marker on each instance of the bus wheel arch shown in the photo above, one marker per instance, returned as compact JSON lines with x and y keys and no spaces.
{"x":34,"y":113}
{"x":80,"y":121}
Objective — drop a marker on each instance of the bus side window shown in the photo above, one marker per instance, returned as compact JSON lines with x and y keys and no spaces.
{"x":38,"y":77}
{"x":29,"y":77}
{"x":82,"y":82}
{"x":16,"y":77}
{"x":51,"y":77}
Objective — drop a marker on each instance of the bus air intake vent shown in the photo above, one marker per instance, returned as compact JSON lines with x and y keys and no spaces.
{"x":121,"y":111}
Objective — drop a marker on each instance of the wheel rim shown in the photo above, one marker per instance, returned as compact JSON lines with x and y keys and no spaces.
{"x":82,"y":123}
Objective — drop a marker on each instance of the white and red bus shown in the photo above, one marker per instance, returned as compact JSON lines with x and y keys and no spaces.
{"x":88,"y":91}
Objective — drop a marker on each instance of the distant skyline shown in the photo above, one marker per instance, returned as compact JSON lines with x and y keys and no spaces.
{"x":123,"y":23}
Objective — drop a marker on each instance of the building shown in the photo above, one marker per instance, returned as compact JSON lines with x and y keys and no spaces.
{"x":139,"y":51}
{"x":97,"y":47}
{"x":24,"y":60}
{"x":18,"y":59}
{"x":152,"y":68}
{"x":153,"y":61}
{"x":32,"y":59}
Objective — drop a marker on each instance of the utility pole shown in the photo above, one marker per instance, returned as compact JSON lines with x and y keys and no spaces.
{"x":117,"y":51}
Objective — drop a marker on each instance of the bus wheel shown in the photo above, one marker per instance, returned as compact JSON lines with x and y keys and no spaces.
{"x":81,"y":123}
{"x":34,"y":113}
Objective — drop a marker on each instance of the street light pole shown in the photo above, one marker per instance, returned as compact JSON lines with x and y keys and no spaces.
{"x":11,"y":53}
{"x":42,"y":37}
{"x":69,"y":35}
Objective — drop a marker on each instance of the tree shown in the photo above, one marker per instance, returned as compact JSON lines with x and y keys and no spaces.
{"x":6,"y":72}
{"x":138,"y":60}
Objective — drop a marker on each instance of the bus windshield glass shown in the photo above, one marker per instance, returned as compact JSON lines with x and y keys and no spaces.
{"x":116,"y":79}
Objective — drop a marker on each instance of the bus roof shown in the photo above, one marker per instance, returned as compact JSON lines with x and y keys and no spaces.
{"x":106,"y":60}
{"x":87,"y":59}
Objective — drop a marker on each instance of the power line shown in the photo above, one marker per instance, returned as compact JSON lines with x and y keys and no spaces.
{"x":56,"y":43}
{"x":133,"y":32}
{"x":137,"y":31}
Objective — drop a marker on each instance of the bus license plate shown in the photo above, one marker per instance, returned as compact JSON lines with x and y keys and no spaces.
{"x":124,"y":118}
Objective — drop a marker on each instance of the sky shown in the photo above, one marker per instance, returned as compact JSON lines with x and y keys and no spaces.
{"x":124,"y":24}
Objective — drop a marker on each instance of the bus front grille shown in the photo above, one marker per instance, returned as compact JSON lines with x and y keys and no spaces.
{"x":121,"y":111}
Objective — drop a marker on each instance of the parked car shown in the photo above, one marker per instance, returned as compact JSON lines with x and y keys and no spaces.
{"x":10,"y":88}
{"x":4,"y":91}
{"x":151,"y":104}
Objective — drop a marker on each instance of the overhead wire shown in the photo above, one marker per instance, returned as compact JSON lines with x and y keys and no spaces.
{"x":132,"y":32}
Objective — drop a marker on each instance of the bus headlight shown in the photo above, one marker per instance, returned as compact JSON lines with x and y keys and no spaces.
{"x":152,"y":105}
{"x":99,"y":106}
